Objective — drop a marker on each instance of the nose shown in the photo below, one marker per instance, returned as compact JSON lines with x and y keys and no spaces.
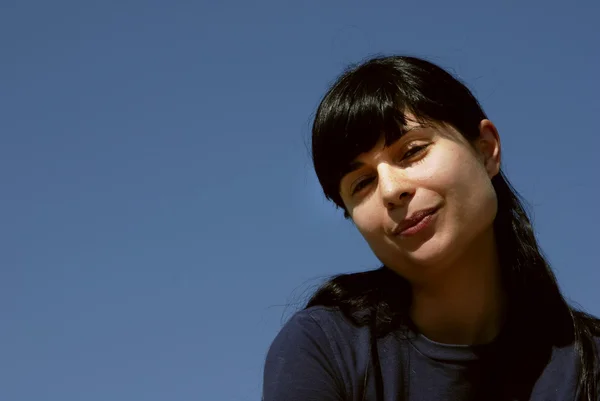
{"x":395,"y":188}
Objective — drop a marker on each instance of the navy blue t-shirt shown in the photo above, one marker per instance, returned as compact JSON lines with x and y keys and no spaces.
{"x":321,"y":355}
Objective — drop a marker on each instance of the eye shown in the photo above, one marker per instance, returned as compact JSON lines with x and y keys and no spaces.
{"x":413,"y":151}
{"x":360,"y":184}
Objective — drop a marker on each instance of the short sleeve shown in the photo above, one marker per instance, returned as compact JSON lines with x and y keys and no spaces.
{"x":301,"y":365}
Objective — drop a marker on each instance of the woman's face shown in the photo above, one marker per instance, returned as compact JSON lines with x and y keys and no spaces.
{"x":424,"y":200}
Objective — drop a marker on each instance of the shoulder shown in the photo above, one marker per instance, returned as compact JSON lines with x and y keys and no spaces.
{"x":324,"y":327}
{"x":319,"y":350}
{"x":560,"y":375}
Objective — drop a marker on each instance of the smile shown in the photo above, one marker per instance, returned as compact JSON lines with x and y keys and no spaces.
{"x":415,"y":223}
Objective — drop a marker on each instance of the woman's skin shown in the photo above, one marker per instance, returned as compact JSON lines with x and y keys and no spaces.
{"x":426,"y":206}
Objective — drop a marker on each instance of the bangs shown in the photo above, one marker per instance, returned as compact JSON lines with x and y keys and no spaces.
{"x":363,"y":108}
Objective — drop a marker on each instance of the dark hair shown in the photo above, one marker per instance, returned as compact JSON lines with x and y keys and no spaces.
{"x":370,"y":101}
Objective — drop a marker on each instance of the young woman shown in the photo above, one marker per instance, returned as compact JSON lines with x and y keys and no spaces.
{"x":465,"y":307}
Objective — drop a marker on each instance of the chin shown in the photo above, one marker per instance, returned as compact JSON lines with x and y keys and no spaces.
{"x":434,"y":253}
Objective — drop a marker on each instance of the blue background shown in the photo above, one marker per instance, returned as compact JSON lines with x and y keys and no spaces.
{"x":159,"y":215}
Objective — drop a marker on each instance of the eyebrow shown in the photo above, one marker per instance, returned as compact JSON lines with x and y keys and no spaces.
{"x":352,"y":167}
{"x":356,"y":164}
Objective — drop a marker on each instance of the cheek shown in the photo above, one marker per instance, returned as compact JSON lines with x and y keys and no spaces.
{"x":368,"y":220}
{"x":461,"y":180}
{"x":450,"y":170}
{"x":472,"y":196}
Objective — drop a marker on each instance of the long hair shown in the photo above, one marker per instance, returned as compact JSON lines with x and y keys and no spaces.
{"x":370,"y":101}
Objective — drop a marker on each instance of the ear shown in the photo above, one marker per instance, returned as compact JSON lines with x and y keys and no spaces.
{"x":488,"y":146}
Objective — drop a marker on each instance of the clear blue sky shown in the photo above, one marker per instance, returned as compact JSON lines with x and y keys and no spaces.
{"x":158,"y":206}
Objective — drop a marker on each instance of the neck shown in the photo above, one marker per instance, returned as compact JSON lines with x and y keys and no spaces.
{"x":466,"y":304}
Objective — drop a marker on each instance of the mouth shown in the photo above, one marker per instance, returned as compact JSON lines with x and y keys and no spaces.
{"x":415,"y":222}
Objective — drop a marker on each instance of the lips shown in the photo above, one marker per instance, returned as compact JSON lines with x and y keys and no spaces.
{"x":413,"y":220}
